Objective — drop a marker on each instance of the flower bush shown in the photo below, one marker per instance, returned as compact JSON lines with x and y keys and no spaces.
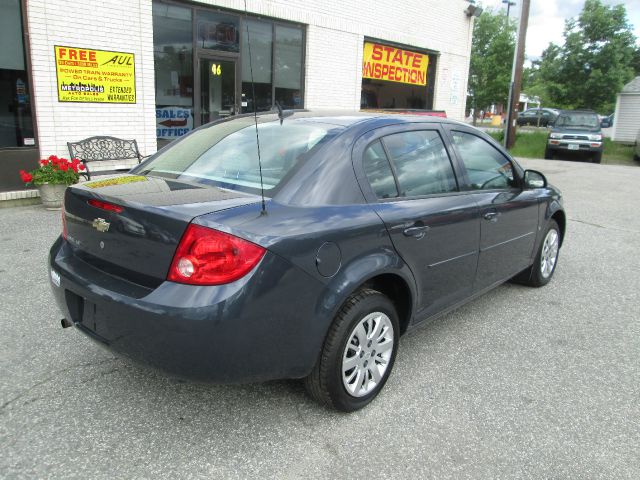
{"x":54,"y":170}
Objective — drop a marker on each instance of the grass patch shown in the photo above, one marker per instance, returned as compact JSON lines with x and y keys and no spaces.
{"x":616,"y":153}
{"x":532,"y":145}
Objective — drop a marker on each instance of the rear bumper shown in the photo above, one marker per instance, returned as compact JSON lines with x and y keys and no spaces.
{"x":264,"y":326}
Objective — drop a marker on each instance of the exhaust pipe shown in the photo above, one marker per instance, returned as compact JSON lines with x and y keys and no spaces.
{"x":66,"y":323}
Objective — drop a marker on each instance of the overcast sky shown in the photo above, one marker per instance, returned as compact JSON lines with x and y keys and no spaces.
{"x":546,"y":19}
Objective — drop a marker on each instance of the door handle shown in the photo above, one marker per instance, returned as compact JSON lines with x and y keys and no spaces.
{"x":491,"y":216}
{"x":417,"y":232}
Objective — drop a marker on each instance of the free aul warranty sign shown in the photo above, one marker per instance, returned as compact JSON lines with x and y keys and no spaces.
{"x":96,"y":76}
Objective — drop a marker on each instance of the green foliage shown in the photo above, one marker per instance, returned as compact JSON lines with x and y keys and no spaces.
{"x":491,"y":59}
{"x":592,"y":66}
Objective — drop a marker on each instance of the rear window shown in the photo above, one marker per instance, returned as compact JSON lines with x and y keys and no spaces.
{"x":226,"y":154}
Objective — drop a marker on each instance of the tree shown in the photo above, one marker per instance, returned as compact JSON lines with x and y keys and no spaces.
{"x":491,"y":59}
{"x":594,"y":63}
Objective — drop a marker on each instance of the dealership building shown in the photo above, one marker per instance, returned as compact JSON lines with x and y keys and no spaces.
{"x":152,"y":70}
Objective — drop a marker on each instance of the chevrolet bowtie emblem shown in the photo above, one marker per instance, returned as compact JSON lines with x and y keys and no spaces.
{"x":100,"y":224}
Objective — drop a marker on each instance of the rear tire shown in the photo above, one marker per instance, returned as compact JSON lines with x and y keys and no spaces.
{"x":544,"y":265}
{"x":548,"y":154}
{"x":349,"y":372}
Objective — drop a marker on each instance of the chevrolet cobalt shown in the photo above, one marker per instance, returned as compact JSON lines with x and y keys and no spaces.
{"x":306,"y":258}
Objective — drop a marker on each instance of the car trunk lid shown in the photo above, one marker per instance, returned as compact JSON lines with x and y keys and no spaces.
{"x":130,"y":226}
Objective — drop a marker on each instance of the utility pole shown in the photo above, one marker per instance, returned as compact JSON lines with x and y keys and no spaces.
{"x":516,"y":76}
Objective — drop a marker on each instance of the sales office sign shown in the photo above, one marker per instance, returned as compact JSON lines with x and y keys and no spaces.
{"x":95,"y":76}
{"x":383,"y":62}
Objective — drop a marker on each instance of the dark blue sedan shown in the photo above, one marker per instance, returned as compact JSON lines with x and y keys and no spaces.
{"x":371,"y":224}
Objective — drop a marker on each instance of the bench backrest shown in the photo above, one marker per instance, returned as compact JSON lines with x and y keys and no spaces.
{"x":103,"y":148}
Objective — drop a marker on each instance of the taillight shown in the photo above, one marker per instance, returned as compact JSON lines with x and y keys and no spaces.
{"x":109,"y":207}
{"x":64,"y":222}
{"x":209,"y":257}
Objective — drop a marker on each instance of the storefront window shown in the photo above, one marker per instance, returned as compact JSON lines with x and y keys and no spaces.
{"x":217,"y":31}
{"x":288,"y":66}
{"x":16,"y":123}
{"x":173,"y":56}
{"x":202,"y":67}
{"x":261,"y":37}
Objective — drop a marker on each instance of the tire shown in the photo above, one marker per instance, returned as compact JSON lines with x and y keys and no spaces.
{"x":596,"y":157}
{"x":539,"y":274}
{"x":342,"y":390}
{"x":548,"y":154}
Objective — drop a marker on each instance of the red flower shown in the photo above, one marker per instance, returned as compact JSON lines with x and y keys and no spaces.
{"x":74,"y":166}
{"x":44,"y":162}
{"x":63,"y":166}
{"x":81,"y":167}
{"x":26,"y":177}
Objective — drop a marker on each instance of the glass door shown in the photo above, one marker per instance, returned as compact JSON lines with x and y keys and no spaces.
{"x":217,"y":89}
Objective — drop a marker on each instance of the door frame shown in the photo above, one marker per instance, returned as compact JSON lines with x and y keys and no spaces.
{"x":200,"y":55}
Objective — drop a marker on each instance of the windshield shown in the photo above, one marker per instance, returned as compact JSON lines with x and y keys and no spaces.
{"x":226,"y":154}
{"x":576,"y":120}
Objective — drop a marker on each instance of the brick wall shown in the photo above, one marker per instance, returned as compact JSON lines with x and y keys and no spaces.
{"x":335,"y":37}
{"x":119,"y":25}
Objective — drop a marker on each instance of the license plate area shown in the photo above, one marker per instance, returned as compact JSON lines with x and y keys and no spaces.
{"x":81,"y":310}
{"x":75,"y":305}
{"x":574,"y":146}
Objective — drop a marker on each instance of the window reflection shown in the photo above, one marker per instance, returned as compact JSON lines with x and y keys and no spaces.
{"x":288,"y":66}
{"x":486,"y":167}
{"x":173,"y":56}
{"x":421,"y":163}
{"x":261,"y":36}
{"x":218,"y":31}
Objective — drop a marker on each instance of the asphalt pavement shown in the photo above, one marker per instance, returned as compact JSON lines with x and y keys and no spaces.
{"x":520,"y":383}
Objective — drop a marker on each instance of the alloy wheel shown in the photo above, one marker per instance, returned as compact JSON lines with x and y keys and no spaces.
{"x":549,"y":253}
{"x":367,"y":354}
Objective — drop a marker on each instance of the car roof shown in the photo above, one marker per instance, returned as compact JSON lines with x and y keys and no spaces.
{"x":578,"y":111}
{"x":348,"y":118}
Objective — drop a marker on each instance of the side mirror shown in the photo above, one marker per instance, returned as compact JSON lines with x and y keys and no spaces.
{"x":534,"y":179}
{"x":605,"y":123}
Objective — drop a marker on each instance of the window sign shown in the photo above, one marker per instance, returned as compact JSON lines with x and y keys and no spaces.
{"x":95,"y":76}
{"x":173,"y":122}
{"x":383,"y":62}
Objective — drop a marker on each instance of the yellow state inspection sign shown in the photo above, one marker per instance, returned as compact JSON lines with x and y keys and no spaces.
{"x":96,"y":76}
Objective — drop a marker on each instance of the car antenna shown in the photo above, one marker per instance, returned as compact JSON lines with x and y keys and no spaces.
{"x":255,"y":110}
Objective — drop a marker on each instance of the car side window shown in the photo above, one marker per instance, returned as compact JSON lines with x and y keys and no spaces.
{"x":378,"y":171}
{"x":421,"y":163}
{"x":486,"y":167}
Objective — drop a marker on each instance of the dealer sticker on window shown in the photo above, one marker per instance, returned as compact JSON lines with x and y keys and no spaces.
{"x":55,"y":278}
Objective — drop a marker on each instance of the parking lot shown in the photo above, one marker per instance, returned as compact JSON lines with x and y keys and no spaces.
{"x":520,"y":383}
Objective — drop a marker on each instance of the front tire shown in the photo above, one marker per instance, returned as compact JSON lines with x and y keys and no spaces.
{"x":540,"y":273}
{"x":597,"y":157}
{"x":548,"y":154}
{"x":358,"y":354}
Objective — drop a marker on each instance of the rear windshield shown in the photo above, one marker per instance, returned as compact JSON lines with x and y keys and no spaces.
{"x":586,"y":120}
{"x":226,"y":154}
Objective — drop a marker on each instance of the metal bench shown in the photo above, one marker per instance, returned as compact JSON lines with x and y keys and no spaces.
{"x":106,"y":154}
